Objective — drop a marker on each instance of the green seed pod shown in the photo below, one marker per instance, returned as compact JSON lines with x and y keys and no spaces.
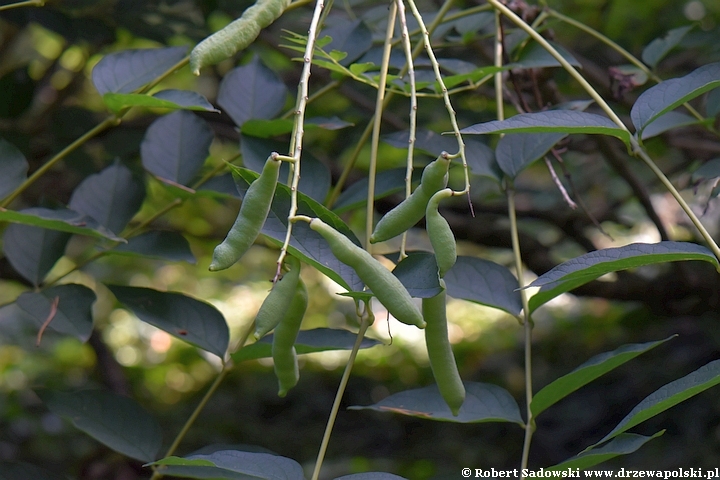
{"x":411,"y":210}
{"x":237,"y":35}
{"x":283,"y":350}
{"x":253,"y":212}
{"x":442,"y":360}
{"x":277,"y":303}
{"x":441,"y":236}
{"x":384,"y":285}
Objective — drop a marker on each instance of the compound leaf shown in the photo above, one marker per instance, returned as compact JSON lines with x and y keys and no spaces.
{"x":658,"y":48}
{"x":73,"y":315}
{"x":623,"y":444}
{"x":127,"y":71}
{"x":13,"y":168}
{"x":33,"y":251}
{"x":159,"y":244}
{"x":484,"y":282}
{"x":516,"y":151}
{"x":63,"y":220}
{"x":171,"y":99}
{"x":231,"y":465}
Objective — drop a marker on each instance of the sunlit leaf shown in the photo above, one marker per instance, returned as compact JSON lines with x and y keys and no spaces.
{"x":112,"y":197}
{"x":128,"y":70}
{"x":113,"y":420}
{"x":171,"y":99}
{"x":186,"y":318}
{"x":623,"y":444}
{"x":658,"y":48}
{"x":13,"y":168}
{"x":73,"y":314}
{"x":305,"y":243}
{"x":33,"y":251}
{"x":587,"y":372}
{"x":250,"y":92}
{"x":484,"y":402}
{"x":667,"y":397}
{"x":231,"y":464}
{"x":308,"y":341}
{"x":176,"y":146}
{"x":157,"y":244}
{"x":588,"y":267}
{"x":552,"y":121}
{"x":484,"y":282}
{"x":63,"y":220}
{"x":672,"y":93}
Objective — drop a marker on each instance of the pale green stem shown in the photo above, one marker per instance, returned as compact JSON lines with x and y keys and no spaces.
{"x":628,"y":56}
{"x":366,"y":321}
{"x":446,"y":97}
{"x":332,"y":198}
{"x":375,"y":140}
{"x":500,"y":110}
{"x":28,"y":3}
{"x":296,"y":144}
{"x":527,"y":323}
{"x":636,"y":148}
{"x":413,"y":112}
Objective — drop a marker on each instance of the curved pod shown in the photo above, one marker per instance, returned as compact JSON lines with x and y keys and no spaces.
{"x":384,"y":285}
{"x":440,"y":233}
{"x":283,"y":349}
{"x":278,"y":302}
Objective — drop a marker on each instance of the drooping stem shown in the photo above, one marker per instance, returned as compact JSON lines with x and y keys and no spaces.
{"x":446,"y":96}
{"x":526,"y":320}
{"x":296,"y":143}
{"x":366,"y":321}
{"x":375,"y":139}
{"x":413,"y":111}
{"x":635,"y":146}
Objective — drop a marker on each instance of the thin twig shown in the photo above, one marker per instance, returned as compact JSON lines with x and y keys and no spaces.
{"x":53,"y":310}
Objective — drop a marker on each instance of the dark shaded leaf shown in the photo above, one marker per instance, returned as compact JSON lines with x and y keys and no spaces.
{"x":112,"y":197}
{"x":13,"y":168}
{"x":709,"y":169}
{"x":623,"y":444}
{"x":535,"y":56}
{"x":667,"y":397}
{"x":473,"y":23}
{"x":658,"y":48}
{"x":353,"y":38}
{"x":305,"y":243}
{"x":516,"y":151}
{"x":186,"y":318}
{"x":113,"y":420}
{"x":232,"y":464}
{"x":63,"y":220}
{"x":33,"y":251}
{"x":158,"y":244}
{"x":172,"y":99}
{"x":387,"y":182}
{"x":667,"y":122}
{"x":18,"y":89}
{"x":481,"y":159}
{"x":484,"y":402}
{"x":672,"y":93}
{"x":314,"y":175}
{"x":418,"y":272}
{"x":128,"y":70}
{"x":552,"y":121}
{"x":26,"y":471}
{"x":484,"y":282}
{"x":308,"y":341}
{"x":176,"y":146}
{"x":587,"y":372}
{"x":712,"y":103}
{"x":74,"y":309}
{"x":224,"y":185}
{"x":250,"y":92}
{"x":590,"y":266}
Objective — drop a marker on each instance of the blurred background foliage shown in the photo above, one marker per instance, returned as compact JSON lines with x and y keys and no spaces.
{"x":47,"y":101}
